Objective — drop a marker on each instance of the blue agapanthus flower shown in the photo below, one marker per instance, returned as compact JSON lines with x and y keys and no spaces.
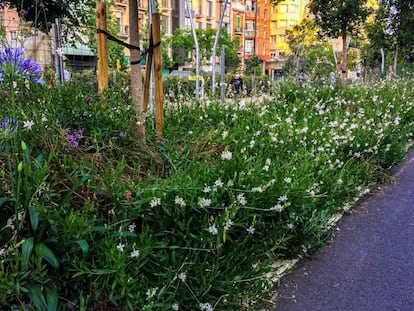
{"x":8,"y":126}
{"x":14,"y":65}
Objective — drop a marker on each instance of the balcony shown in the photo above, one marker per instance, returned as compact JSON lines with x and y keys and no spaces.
{"x":238,"y":30}
{"x":250,"y":33}
{"x":123,"y":3}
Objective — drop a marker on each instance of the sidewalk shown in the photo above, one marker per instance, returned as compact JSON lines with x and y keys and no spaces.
{"x":369,"y":266}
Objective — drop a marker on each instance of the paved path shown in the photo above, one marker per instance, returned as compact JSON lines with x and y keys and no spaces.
{"x":370,"y":263}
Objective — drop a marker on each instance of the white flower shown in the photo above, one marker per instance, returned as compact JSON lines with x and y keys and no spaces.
{"x":340,"y":181}
{"x":131,"y":227}
{"x":207,"y":190}
{"x":268,"y":161}
{"x":290,"y":226}
{"x":287,"y":180}
{"x":204,"y":202}
{"x":175,"y":307}
{"x":224,"y":134}
{"x":226,"y":155}
{"x":250,"y":230}
{"x":134,"y":253}
{"x":120,"y":247}
{"x":2,"y":252}
{"x":213,"y":230}
{"x":155,"y":202}
{"x":241,"y":199}
{"x":179,"y":201}
{"x":283,"y":198}
{"x":218,"y":183}
{"x":277,"y":208}
{"x":228,"y":224}
{"x":182,"y":276}
{"x":151,"y":293}
{"x":206,"y":307}
{"x":257,"y":189}
{"x":28,"y":124}
{"x":252,"y":143}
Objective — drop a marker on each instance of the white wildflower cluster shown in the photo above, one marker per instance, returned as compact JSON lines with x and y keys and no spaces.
{"x":155,"y":202}
{"x":179,"y":201}
{"x":203,"y":202}
{"x":206,"y":307}
{"x":226,"y":155}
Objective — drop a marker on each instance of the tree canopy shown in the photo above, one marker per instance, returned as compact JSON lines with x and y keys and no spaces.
{"x":42,"y":13}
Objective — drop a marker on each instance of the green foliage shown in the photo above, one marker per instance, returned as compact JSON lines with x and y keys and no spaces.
{"x":337,"y":18}
{"x":92,"y":219}
{"x":254,"y":66}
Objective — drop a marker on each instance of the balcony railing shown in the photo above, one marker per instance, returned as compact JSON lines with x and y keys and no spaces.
{"x":250,"y":33}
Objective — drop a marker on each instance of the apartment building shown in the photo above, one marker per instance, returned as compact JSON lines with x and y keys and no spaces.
{"x":9,"y":25}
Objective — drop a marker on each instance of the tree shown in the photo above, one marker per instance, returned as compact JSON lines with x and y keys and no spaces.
{"x":254,"y":65}
{"x":182,"y":45}
{"x":42,"y":13}
{"x":311,"y":51}
{"x":340,"y":18}
{"x":399,"y":26}
{"x":135,"y":74}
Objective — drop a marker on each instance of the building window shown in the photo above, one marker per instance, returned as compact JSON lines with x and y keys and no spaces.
{"x":272,"y":55}
{"x":249,"y":28}
{"x":273,"y":25}
{"x":209,"y":8}
{"x":291,"y":23}
{"x":250,"y":6}
{"x":264,"y":48}
{"x":292,"y":8}
{"x":258,"y":31}
{"x":282,"y":23}
{"x":283,"y":8}
{"x":13,"y":35}
{"x":272,"y":39}
{"x":209,"y":26}
{"x":249,"y":46}
{"x":199,"y":25}
{"x":238,"y":23}
{"x":265,"y":14}
{"x":264,"y":31}
{"x":165,"y":4}
{"x":258,"y":12}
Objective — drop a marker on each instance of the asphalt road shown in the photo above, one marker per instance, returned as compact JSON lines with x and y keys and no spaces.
{"x":369,"y":265}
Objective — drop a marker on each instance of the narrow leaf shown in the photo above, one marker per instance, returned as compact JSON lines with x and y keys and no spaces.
{"x":27,"y":248}
{"x":51,"y":298}
{"x":43,"y":251}
{"x":83,"y":245}
{"x":75,"y":187}
{"x":34,"y":217}
{"x":36,"y":296}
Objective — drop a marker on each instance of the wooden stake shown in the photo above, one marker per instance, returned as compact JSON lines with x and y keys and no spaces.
{"x":159,"y":94}
{"x":147,"y":78}
{"x":103,"y":76}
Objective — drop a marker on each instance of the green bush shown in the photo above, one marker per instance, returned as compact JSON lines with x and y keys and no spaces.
{"x":93,"y":219}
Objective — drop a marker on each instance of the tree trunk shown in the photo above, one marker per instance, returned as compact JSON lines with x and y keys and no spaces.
{"x":396,"y":54}
{"x":135,"y":74}
{"x":344,"y":63}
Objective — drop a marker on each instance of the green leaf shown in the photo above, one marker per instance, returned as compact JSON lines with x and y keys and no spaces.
{"x":43,"y":251}
{"x":4,"y":200}
{"x":51,"y":298}
{"x":83,"y":245}
{"x":36,"y":296}
{"x":34,"y":217}
{"x":27,"y":248}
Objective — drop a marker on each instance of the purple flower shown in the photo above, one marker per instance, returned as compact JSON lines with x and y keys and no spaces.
{"x":12,"y":65}
{"x":8,"y":126}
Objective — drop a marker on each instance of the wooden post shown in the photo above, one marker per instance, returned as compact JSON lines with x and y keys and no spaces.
{"x":103,"y":76}
{"x":159,"y":94}
{"x":147,"y":78}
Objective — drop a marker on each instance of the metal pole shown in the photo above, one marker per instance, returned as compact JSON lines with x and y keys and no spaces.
{"x":197,"y":50}
{"x":213,"y":87}
{"x":59,"y":74}
{"x":382,"y":61}
{"x":222,"y":73}
{"x":152,"y":9}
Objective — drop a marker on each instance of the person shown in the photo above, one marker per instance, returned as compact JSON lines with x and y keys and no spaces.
{"x":236,"y":86}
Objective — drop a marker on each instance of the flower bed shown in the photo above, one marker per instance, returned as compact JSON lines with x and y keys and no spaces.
{"x":92,"y":219}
